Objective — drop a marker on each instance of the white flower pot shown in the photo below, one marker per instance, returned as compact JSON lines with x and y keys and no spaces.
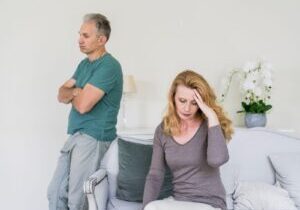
{"x":255,"y":120}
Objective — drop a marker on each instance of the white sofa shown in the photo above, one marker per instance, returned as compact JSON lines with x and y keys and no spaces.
{"x":249,"y":161}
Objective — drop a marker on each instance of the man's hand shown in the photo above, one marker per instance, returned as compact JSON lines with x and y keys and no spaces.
{"x":83,"y":99}
{"x":65,"y":92}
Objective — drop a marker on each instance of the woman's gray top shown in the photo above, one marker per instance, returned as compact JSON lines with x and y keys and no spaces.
{"x":194,"y":166}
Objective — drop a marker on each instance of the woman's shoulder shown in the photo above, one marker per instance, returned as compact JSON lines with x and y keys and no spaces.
{"x":159,"y":132}
{"x":159,"y":128}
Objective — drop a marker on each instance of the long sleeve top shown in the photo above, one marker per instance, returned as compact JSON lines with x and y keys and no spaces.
{"x":194,"y":166}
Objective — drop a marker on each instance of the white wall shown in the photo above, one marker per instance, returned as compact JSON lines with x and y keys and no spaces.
{"x":153,"y":40}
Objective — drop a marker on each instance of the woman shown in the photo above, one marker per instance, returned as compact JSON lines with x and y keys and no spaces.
{"x":191,"y":141}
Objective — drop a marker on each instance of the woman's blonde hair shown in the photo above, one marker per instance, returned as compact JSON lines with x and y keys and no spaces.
{"x":193,"y":80}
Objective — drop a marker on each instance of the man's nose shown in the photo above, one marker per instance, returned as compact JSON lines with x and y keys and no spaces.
{"x":80,"y":40}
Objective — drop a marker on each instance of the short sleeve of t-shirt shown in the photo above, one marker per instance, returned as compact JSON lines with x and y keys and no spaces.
{"x":105,"y":77}
{"x":75,"y":75}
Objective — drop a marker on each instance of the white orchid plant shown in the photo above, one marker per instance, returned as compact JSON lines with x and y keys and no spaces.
{"x":256,"y":84}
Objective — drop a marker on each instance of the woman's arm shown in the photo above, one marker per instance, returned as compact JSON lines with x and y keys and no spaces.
{"x":156,"y":172}
{"x":217,"y":152}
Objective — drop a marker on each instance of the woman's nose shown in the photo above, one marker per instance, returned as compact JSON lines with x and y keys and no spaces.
{"x":187,"y":107}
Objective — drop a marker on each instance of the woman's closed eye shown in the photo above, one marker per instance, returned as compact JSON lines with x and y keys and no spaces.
{"x":194,"y":103}
{"x":182,"y":100}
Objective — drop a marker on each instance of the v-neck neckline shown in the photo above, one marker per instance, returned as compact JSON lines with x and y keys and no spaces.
{"x":191,"y":139}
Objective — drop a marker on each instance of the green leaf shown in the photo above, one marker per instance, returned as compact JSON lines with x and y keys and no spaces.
{"x":255,"y":107}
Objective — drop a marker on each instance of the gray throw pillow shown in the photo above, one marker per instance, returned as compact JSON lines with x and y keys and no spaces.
{"x":134,"y":164}
{"x":287,"y":168}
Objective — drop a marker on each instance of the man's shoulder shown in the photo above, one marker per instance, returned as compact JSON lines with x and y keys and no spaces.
{"x":111,"y":61}
{"x":111,"y":66}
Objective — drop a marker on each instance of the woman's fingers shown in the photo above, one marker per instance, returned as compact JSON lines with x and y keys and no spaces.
{"x":200,"y":102}
{"x":198,"y":96}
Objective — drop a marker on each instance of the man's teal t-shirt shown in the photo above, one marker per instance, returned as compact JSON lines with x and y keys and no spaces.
{"x":100,"y":122}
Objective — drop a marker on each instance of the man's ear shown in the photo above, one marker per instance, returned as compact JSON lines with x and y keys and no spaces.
{"x":102,"y":39}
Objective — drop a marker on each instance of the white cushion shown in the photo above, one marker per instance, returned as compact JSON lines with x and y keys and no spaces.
{"x":249,"y":150}
{"x":229,"y":175}
{"x":261,"y":196}
{"x":116,"y":204}
{"x":110,"y":163}
{"x":287,"y":168}
{"x":172,"y":204}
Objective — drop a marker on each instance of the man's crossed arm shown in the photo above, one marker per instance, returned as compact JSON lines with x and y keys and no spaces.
{"x":83,"y":100}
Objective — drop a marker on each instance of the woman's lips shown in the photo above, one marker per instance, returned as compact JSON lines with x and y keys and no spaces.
{"x":186,"y":115}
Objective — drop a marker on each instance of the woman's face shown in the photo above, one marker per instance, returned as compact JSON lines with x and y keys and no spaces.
{"x":186,"y":106}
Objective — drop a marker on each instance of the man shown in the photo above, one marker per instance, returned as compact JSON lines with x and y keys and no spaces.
{"x":95,"y":92}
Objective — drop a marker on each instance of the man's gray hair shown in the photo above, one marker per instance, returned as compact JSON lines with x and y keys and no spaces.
{"x":102,"y":24}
